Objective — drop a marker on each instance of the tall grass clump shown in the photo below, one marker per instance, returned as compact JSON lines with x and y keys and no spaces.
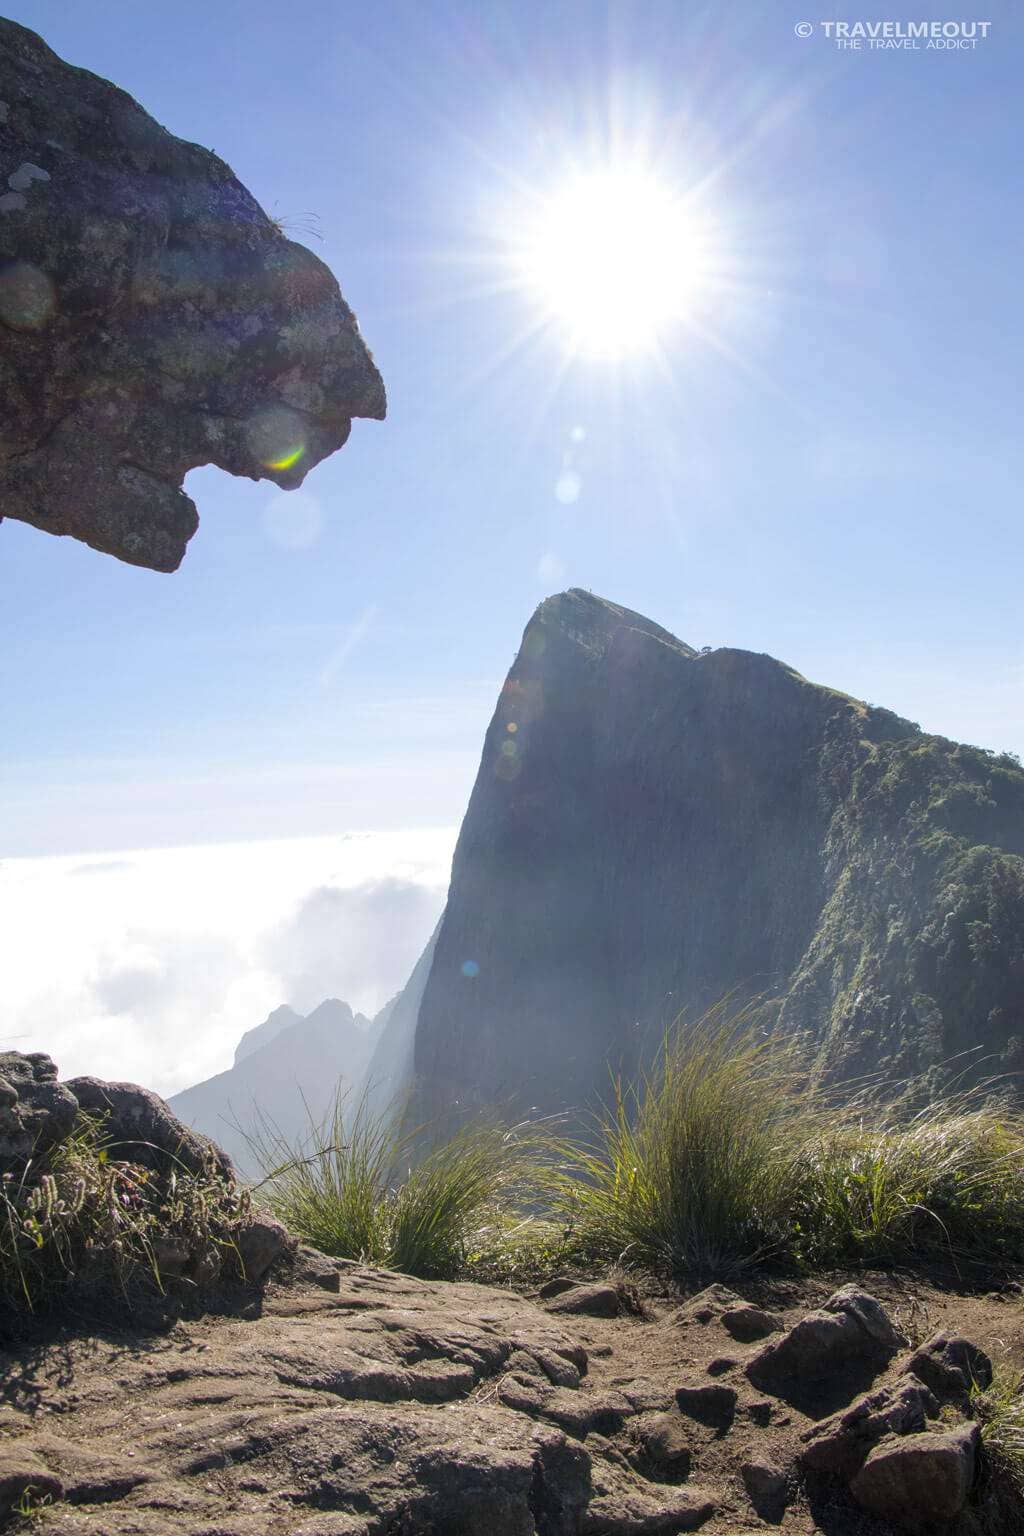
{"x":354,"y":1189}
{"x":690,"y":1171}
{"x":946,"y":1183}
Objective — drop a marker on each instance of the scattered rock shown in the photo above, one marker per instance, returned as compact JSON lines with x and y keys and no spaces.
{"x":747,"y":1324}
{"x":556,"y":1285}
{"x":592,"y":1300}
{"x":153,"y":319}
{"x":35,"y":1109}
{"x":840,"y":1443}
{"x":766,"y":1488}
{"x":144,"y":1130}
{"x":667,"y":1443}
{"x":708,"y":1305}
{"x":950,"y":1366}
{"x":260,"y":1243}
{"x":721,"y":1365}
{"x":920,"y":1480}
{"x":851,"y":1332}
{"x":710,"y":1402}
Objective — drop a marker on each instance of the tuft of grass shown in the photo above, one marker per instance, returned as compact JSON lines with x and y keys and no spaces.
{"x":73,"y":1212}
{"x":947,"y":1184}
{"x":997,"y":1507}
{"x":691,"y":1170}
{"x":721,"y":1158}
{"x":353,"y":1189}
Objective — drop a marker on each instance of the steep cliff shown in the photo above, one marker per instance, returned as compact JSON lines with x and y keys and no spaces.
{"x":152,"y":318}
{"x":653,"y":829}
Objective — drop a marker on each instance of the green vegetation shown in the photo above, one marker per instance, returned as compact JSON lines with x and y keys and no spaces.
{"x":353,"y":1190}
{"x":74,"y":1216}
{"x":997,"y":1500}
{"x":692,"y":1170}
{"x":721,"y":1159}
{"x":949,"y":1183}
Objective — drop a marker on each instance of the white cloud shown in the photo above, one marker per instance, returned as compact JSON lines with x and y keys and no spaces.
{"x":152,"y":967}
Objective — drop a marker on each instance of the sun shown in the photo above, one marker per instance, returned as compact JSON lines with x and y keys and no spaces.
{"x":616,"y":259}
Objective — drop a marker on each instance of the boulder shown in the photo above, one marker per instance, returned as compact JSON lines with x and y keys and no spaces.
{"x":142,"y":1129}
{"x":747,"y":1324}
{"x":35,"y":1109}
{"x":850,"y":1332}
{"x":709,"y":1402}
{"x":950,"y":1366}
{"x":666,"y":1440}
{"x":766,"y":1488}
{"x":153,"y":318}
{"x":919,"y":1481}
{"x":593,"y":1300}
{"x":260,"y":1243}
{"x":840,"y":1443}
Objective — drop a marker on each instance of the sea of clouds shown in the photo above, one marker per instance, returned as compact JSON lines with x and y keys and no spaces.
{"x":148,"y":966}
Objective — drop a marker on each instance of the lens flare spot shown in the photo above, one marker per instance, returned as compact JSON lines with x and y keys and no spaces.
{"x":509,"y":748}
{"x":28,"y":298}
{"x":512,"y":727}
{"x":287,"y":460}
{"x":470,"y":969}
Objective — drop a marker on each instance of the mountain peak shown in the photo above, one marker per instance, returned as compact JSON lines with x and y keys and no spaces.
{"x":593,"y":621}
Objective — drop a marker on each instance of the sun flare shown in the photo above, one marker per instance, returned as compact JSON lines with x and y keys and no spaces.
{"x":616,"y":259}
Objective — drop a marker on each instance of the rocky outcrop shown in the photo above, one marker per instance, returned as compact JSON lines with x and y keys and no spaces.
{"x":141,"y":1128}
{"x":654,"y":829}
{"x":153,"y":318}
{"x":358,"y":1403}
{"x":35,"y":1109}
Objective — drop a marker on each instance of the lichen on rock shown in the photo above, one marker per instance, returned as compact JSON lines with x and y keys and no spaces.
{"x":152,"y":319}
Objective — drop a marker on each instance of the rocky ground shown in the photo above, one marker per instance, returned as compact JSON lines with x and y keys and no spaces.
{"x":344,"y":1401}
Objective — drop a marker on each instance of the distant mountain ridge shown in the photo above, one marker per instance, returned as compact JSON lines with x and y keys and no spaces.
{"x":286,"y":1070}
{"x":654,"y":828}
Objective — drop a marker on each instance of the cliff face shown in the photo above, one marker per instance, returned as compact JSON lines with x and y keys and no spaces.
{"x":152,"y":318}
{"x":653,"y":829}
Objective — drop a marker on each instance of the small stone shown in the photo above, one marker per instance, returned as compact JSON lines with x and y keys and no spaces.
{"x":667,"y":1444}
{"x":721,"y":1365}
{"x":746,"y":1323}
{"x":707,"y":1305}
{"x":710,"y":1402}
{"x":766,"y":1487}
{"x":556,"y":1285}
{"x":260,"y":1243}
{"x":591,"y":1300}
{"x":921,"y":1480}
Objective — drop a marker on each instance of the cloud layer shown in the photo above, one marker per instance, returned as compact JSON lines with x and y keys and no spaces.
{"x":149,"y":966}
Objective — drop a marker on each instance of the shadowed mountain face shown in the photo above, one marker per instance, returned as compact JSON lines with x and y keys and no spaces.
{"x":652,"y":829}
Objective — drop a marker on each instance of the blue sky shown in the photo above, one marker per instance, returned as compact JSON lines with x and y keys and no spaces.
{"x":830,"y":471}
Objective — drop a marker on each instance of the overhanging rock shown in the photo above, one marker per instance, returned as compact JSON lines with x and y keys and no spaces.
{"x":152,"y":319}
